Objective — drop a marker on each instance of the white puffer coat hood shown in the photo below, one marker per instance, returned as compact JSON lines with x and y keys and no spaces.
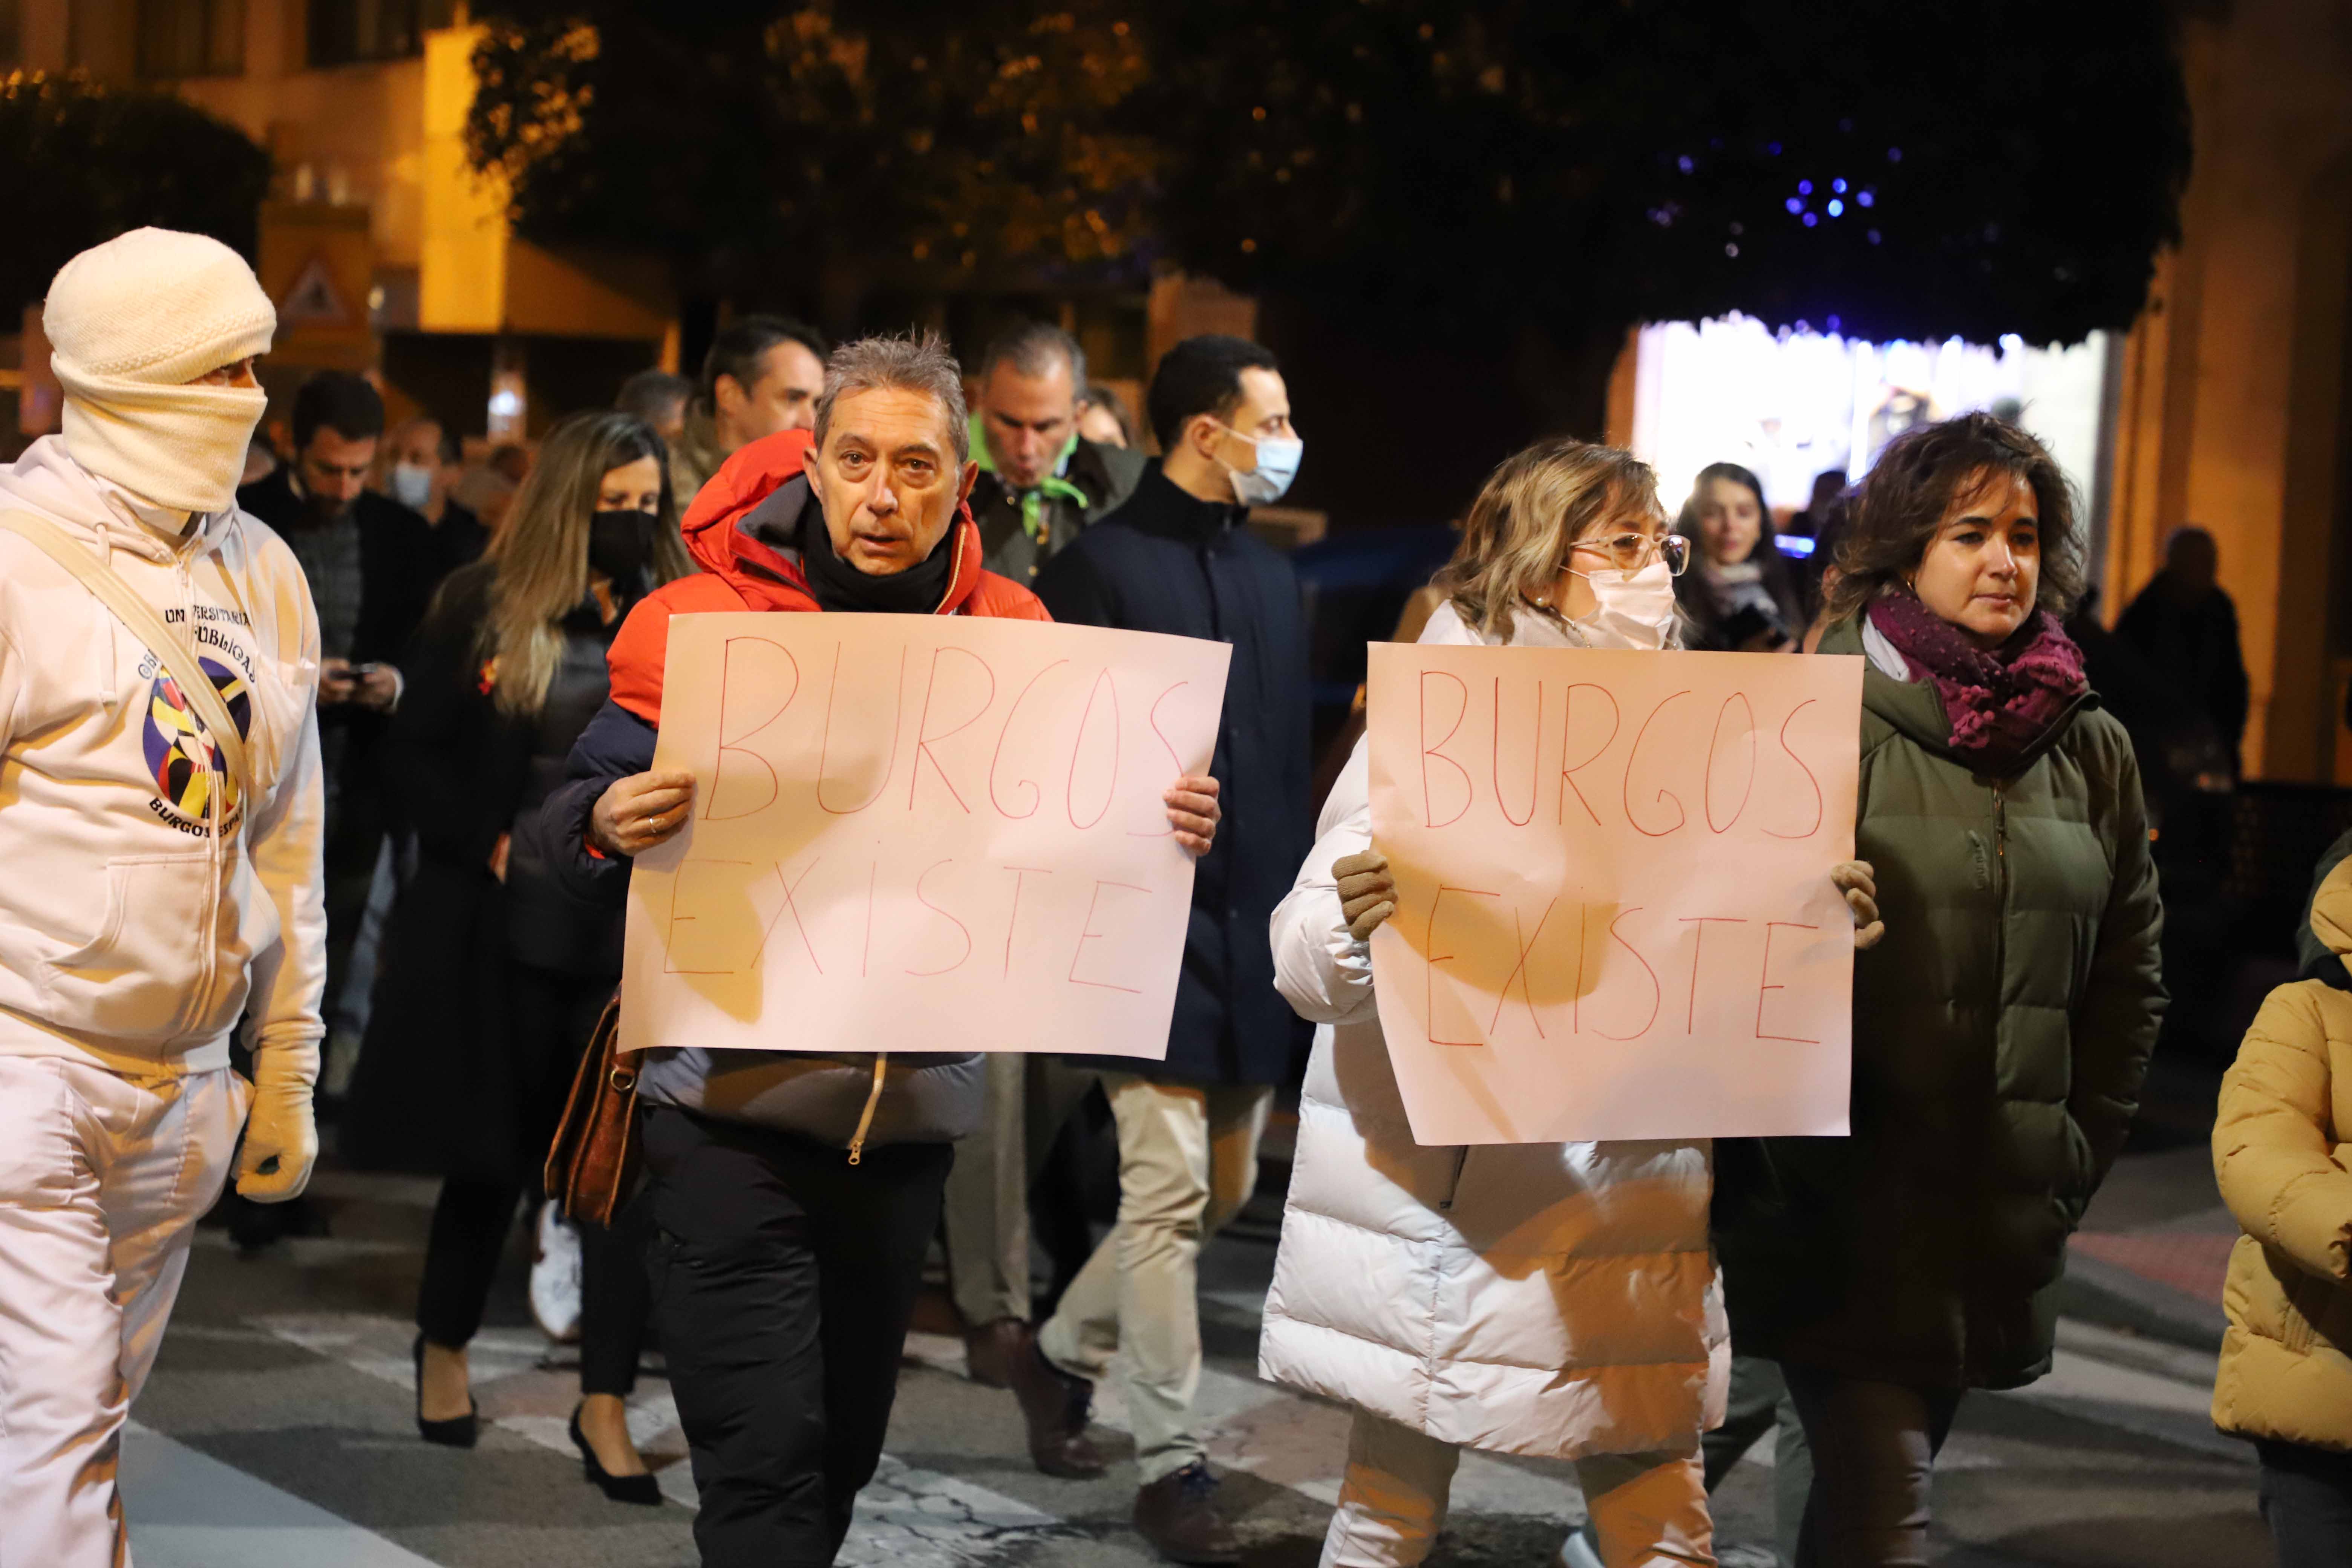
{"x":1556,"y":1299}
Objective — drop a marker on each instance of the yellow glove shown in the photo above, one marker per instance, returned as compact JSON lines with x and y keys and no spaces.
{"x":282,"y":1140}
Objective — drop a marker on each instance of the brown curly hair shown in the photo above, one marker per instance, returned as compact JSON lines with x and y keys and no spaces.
{"x":1923,"y":473}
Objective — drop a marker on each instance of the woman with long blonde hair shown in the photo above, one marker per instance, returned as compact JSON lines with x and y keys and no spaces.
{"x":493,"y":977}
{"x":1556,"y":1299}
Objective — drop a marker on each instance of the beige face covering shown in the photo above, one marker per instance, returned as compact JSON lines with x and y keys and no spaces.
{"x":179,"y":446}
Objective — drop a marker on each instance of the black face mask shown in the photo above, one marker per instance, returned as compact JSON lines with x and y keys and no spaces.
{"x":621,"y":543}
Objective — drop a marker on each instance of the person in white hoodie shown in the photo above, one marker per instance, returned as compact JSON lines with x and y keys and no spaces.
{"x":1556,"y":1299}
{"x":156,"y":891}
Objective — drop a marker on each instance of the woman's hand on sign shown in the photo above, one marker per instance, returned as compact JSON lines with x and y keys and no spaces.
{"x":1859,"y":883}
{"x":1367,"y":892}
{"x":1193,"y":812}
{"x":640,"y":811}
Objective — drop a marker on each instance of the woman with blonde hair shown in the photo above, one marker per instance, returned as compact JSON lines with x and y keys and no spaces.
{"x":1555,"y":1300}
{"x":494,"y":976}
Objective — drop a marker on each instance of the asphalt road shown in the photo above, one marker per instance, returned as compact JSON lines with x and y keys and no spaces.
{"x":277,"y":1432}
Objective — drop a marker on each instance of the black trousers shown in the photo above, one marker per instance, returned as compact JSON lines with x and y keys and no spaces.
{"x":2307,"y":1501}
{"x":1874,"y":1446}
{"x":785,"y":1278}
{"x":550,"y":1017}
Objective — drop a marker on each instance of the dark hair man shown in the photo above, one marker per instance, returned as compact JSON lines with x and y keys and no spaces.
{"x":423,"y":463}
{"x":1040,"y":480}
{"x":372,"y":564}
{"x":1178,"y":558}
{"x":786,"y":1275}
{"x":659,"y":399}
{"x":762,"y":374}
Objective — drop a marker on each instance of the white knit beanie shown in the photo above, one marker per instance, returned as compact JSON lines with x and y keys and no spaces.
{"x":130,"y":323}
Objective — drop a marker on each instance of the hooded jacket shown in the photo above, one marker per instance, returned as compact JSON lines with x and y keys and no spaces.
{"x":1549,"y":1298}
{"x":742,"y":530}
{"x":135,"y":928}
{"x":2286,"y":1169}
{"x":2001,"y":1032}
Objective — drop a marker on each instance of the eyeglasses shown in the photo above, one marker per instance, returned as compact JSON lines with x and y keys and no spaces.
{"x":1632,"y":552}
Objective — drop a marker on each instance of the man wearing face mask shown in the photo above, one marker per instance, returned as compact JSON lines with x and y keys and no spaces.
{"x":373,"y":564}
{"x":163,"y":858}
{"x":1178,"y":558}
{"x":425,"y":462}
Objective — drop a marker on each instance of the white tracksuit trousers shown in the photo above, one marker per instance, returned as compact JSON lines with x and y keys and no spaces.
{"x":103,"y":1178}
{"x":1648,"y":1510}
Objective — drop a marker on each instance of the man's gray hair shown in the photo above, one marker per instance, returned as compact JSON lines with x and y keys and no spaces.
{"x":918,"y":364}
{"x":1032,"y":347}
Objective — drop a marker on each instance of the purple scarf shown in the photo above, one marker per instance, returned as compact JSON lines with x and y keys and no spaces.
{"x":2000,"y":703}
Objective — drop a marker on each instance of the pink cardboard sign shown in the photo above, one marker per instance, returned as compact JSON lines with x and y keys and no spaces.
{"x":919,"y":833}
{"x":1614,"y":916}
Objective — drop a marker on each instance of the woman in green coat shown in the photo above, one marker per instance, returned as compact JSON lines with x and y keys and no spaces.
{"x":2001,"y":1029}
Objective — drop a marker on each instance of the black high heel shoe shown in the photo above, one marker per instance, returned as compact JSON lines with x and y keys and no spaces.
{"x":458,"y":1431}
{"x":642,"y":1490}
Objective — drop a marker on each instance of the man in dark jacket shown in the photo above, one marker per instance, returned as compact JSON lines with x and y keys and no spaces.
{"x":2185,"y":625}
{"x":373,"y":564}
{"x":1040,"y":481}
{"x":1178,"y":558}
{"x":1039,"y":485}
{"x":793,"y":1194}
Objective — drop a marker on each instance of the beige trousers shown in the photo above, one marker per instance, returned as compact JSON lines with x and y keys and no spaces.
{"x":985,"y":1210}
{"x":101,"y":1180}
{"x":1187,"y":1163}
{"x":1648,"y":1510}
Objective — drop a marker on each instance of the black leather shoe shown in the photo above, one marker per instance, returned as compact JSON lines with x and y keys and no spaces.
{"x":1055,"y":1406}
{"x":641,"y":1490}
{"x":458,"y":1431}
{"x":1179,"y":1514}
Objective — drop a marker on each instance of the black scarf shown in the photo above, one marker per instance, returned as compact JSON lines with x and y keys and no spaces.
{"x":838,"y":586}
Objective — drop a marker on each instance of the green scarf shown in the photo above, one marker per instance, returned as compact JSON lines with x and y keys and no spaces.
{"x":1052,"y":487}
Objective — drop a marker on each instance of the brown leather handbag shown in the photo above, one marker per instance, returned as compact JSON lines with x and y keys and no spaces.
{"x":592,"y":1165}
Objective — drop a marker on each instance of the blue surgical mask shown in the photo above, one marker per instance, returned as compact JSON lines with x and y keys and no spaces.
{"x":1277,"y":465}
{"x":412,"y":485}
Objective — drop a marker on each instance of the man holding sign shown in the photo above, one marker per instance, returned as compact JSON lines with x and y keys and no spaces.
{"x":793,"y":1195}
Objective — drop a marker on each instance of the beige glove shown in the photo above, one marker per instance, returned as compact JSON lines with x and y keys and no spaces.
{"x":282,"y":1140}
{"x":1859,"y":883}
{"x":1367,"y":892}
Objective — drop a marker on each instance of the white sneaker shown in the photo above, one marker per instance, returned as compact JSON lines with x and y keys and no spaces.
{"x":555,"y":1279}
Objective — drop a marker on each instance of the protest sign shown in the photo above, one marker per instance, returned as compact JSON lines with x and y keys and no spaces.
{"x":1614,"y":918}
{"x":919,"y":833}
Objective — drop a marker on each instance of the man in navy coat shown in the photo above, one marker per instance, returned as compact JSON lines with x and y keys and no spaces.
{"x":1178,"y":558}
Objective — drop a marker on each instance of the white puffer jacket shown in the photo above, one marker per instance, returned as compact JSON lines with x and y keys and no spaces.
{"x":1556,"y":1299}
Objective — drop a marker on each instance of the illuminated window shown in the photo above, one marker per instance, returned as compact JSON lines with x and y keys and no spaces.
{"x":350,"y":32}
{"x":181,"y":38}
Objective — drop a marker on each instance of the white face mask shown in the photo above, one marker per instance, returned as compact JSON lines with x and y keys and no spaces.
{"x":1277,"y":465}
{"x":1636,"y":609}
{"x":412,"y":485}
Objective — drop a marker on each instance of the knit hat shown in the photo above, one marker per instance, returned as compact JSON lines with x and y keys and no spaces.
{"x":156,"y":306}
{"x":130,"y":323}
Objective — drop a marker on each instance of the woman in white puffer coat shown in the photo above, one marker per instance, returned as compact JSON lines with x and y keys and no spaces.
{"x":1552,"y":1300}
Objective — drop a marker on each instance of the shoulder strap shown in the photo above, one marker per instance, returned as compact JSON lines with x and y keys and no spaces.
{"x":175,"y":652}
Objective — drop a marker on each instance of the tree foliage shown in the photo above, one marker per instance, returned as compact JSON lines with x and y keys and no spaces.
{"x":842,"y":148}
{"x":80,"y":163}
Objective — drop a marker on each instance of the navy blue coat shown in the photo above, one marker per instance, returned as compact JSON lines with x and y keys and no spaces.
{"x":1166,"y":562}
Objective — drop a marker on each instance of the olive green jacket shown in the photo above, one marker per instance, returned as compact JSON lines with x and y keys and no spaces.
{"x":2001,"y":1033}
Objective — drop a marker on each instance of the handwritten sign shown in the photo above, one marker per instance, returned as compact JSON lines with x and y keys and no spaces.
{"x":1614,"y":917}
{"x":919,"y":833}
